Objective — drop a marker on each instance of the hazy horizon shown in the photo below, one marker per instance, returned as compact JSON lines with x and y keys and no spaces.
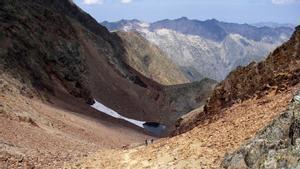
{"x":235,"y":11}
{"x":262,"y":22}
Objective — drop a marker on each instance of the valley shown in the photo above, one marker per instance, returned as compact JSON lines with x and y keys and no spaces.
{"x":206,"y":139}
{"x":174,"y":93}
{"x":204,"y":146}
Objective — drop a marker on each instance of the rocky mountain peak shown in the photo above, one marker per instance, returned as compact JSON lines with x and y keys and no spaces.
{"x":184,"y":18}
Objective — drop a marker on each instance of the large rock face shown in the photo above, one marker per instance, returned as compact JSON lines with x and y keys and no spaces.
{"x":208,"y":48}
{"x":276,"y":146}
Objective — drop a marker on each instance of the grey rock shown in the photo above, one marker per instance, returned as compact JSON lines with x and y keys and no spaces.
{"x":276,"y":146}
{"x":297,"y":98}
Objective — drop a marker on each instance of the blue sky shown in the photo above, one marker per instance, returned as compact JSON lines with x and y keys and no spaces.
{"x":239,"y":11}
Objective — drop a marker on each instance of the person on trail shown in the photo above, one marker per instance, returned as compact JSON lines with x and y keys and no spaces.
{"x":125,"y":146}
{"x":146,"y":142}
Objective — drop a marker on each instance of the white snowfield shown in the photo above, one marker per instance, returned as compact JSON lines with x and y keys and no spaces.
{"x":102,"y":108}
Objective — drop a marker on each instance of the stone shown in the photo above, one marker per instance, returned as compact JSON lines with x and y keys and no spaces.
{"x":276,"y":146}
{"x":297,"y":98}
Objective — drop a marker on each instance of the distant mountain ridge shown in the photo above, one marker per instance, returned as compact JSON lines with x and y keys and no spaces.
{"x":210,"y":29}
{"x":273,"y":24}
{"x":208,"y":48}
{"x":216,"y":30}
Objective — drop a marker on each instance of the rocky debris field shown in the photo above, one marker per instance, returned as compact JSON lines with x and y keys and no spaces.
{"x":203,"y":147}
{"x":276,"y":146}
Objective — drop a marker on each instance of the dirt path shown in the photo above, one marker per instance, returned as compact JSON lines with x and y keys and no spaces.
{"x":203,"y":147}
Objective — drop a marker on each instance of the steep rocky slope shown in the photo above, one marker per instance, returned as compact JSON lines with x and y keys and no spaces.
{"x":58,"y":50}
{"x":45,"y":82}
{"x":203,"y":147}
{"x":149,"y":60}
{"x":278,"y":72}
{"x":39,"y":134}
{"x":276,"y":146}
{"x":207,"y":48}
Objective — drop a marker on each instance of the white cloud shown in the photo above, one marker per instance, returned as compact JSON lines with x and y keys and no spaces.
{"x":279,"y":2}
{"x":91,"y":2}
{"x":126,"y":1}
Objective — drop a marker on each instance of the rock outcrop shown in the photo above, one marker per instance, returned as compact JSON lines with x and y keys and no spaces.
{"x":276,"y":146}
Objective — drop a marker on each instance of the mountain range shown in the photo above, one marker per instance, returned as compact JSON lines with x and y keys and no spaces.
{"x":273,"y":24}
{"x":208,"y":48}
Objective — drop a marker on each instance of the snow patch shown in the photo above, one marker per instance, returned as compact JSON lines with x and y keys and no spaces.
{"x":127,"y":28}
{"x":100,"y":107}
{"x":144,"y":25}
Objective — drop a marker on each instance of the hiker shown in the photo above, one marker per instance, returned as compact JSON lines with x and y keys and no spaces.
{"x":146,"y":142}
{"x":125,"y":146}
{"x":152,"y":141}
